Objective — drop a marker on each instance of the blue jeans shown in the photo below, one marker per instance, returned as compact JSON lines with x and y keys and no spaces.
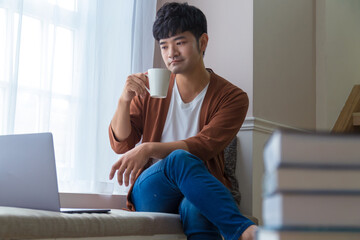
{"x":181,"y":183}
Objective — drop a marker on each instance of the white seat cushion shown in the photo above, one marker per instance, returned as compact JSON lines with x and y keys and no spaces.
{"x":17,"y":223}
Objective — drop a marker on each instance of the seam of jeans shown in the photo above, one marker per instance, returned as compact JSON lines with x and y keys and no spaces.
{"x":173,"y":184}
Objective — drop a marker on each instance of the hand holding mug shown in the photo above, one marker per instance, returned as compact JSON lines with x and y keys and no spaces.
{"x":134,"y":86}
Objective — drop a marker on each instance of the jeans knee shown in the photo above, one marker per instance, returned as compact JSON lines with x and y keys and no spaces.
{"x":179,"y":153}
{"x":182,"y":157}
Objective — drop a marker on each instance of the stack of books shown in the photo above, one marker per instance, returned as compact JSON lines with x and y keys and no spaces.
{"x":311,"y":187}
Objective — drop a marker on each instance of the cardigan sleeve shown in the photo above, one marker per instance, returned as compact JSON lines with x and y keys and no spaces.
{"x":224,"y":117}
{"x":136,"y":118}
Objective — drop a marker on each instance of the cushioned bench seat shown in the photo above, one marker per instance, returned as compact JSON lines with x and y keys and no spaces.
{"x":19,"y":223}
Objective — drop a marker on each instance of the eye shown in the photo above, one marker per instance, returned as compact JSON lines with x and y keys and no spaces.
{"x":180,"y":43}
{"x":164,"y":47}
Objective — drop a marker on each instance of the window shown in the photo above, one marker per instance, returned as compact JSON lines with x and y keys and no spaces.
{"x":63,"y":64}
{"x":38,"y":83}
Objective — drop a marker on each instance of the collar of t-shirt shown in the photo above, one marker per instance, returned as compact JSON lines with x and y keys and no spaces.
{"x":182,"y":120}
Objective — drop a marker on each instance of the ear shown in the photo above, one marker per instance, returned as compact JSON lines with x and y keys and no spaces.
{"x":203,"y":41}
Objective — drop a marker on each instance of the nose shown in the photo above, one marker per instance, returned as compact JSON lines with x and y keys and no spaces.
{"x":173,"y":51}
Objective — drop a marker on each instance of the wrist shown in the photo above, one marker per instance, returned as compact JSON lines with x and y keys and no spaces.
{"x":154,"y":150}
{"x":124,"y":101}
{"x":148,"y":149}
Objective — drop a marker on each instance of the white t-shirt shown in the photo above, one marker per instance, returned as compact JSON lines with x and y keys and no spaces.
{"x":182,"y":120}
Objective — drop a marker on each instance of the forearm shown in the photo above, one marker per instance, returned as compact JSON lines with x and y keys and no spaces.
{"x":158,"y":150}
{"x":120,"y":123}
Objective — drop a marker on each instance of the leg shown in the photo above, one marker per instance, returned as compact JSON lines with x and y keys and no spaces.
{"x":206,"y":193}
{"x":183,"y":174}
{"x":195,"y":225}
{"x":153,"y":192}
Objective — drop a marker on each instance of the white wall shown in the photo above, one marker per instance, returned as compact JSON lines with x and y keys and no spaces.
{"x":249,"y":172}
{"x":284,"y":86}
{"x":284,"y":62}
{"x":338,"y":57}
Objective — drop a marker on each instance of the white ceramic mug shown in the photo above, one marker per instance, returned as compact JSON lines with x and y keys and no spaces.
{"x":159,"y":79}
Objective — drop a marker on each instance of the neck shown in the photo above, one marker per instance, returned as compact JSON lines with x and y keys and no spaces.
{"x":192,"y":83}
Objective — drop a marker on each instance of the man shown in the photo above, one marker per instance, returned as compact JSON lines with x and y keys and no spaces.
{"x":179,"y":166}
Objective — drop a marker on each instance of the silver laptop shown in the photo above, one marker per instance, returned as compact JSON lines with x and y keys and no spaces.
{"x":28,"y":173}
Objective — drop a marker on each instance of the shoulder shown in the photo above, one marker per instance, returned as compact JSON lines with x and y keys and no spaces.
{"x":221,"y":88}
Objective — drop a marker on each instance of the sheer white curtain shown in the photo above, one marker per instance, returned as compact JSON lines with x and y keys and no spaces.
{"x":63,"y":64}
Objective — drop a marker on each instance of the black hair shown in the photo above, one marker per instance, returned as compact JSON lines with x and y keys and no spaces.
{"x":174,"y":18}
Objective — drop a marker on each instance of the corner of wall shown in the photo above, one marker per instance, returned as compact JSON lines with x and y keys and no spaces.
{"x":250,"y":165}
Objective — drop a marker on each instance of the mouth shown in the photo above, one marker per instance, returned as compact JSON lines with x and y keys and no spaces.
{"x":174,"y":62}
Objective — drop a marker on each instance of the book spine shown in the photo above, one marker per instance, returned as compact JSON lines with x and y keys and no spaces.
{"x":310,"y":210}
{"x":311,"y":151}
{"x":302,"y":180}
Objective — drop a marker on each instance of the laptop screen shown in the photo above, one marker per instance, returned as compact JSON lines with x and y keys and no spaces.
{"x":28,"y":172}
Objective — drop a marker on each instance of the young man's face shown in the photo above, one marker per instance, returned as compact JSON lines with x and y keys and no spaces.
{"x":182,"y":53}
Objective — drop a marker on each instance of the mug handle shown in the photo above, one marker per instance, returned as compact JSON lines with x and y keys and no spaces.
{"x":147,"y":89}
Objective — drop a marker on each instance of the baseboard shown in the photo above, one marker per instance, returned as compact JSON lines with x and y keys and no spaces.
{"x":264,"y":126}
